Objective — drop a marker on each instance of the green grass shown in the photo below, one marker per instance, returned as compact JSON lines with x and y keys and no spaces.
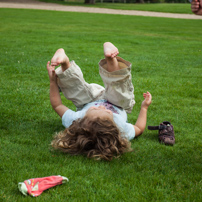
{"x":157,"y":7}
{"x":166,"y":56}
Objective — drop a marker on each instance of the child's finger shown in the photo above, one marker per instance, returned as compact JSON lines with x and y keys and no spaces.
{"x":54,"y":64}
{"x":48,"y":64}
{"x":53,"y":72}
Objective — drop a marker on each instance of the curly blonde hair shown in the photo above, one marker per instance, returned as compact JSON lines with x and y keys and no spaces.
{"x":97,"y":138}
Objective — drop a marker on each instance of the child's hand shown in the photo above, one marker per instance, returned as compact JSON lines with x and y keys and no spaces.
{"x":51,"y":72}
{"x":147,"y":100}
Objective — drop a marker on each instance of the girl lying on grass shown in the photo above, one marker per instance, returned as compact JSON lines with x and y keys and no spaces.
{"x":99,"y":128}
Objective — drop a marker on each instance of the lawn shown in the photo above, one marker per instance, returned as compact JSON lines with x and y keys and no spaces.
{"x":157,"y":7}
{"x":166,"y":55}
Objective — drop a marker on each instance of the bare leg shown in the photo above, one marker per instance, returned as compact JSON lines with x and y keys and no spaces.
{"x":110,"y":52}
{"x":60,"y":58}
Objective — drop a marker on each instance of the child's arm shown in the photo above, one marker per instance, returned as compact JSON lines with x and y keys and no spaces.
{"x":142,"y":118}
{"x":55,"y":98}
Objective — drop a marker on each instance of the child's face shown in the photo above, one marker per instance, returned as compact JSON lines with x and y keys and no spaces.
{"x":100,"y":111}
